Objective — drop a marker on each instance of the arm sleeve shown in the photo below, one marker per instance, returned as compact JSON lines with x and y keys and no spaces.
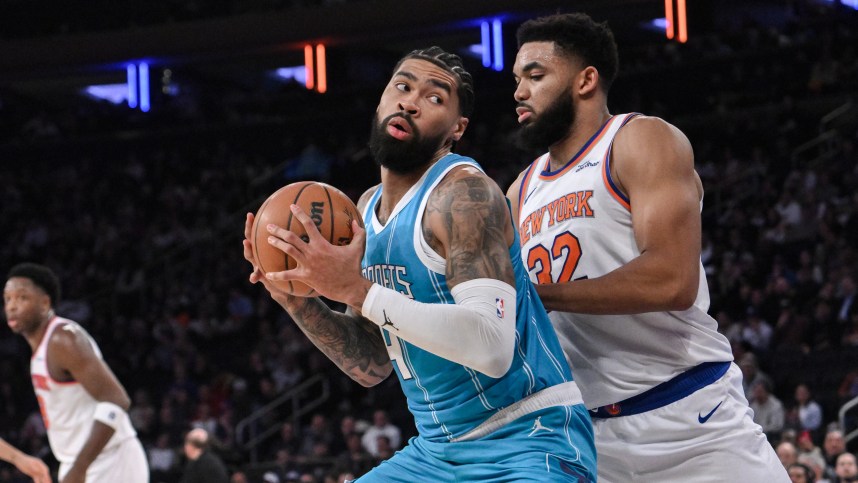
{"x":478,"y":331}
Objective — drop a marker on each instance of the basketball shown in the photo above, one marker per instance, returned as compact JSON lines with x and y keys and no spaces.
{"x":329,"y":208}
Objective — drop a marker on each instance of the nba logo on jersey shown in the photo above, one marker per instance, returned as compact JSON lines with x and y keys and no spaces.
{"x":499,"y":306}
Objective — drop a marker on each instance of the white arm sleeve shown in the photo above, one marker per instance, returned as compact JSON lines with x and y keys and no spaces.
{"x":478,"y":331}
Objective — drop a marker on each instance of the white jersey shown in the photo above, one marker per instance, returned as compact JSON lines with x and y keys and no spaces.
{"x":67,"y":408}
{"x":574,"y":223}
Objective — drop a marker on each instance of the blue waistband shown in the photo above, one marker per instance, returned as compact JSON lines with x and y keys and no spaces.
{"x":665,"y":393}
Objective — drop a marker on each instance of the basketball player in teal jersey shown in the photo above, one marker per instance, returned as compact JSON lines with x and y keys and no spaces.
{"x":437,"y":292}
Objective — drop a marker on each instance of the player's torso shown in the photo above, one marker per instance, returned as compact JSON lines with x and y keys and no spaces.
{"x":576,"y":224}
{"x":446,"y":398}
{"x":67,"y":408}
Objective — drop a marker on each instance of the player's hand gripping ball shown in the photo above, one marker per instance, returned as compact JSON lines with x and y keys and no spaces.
{"x":329,"y":208}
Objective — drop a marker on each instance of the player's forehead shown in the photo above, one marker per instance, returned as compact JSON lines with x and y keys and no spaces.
{"x":423,"y":71}
{"x":542,"y":54}
{"x":19,"y":284}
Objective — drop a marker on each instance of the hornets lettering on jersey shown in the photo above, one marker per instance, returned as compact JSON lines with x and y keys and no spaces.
{"x":390,"y":276}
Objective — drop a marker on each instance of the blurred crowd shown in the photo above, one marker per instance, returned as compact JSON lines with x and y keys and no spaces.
{"x":141,"y":215}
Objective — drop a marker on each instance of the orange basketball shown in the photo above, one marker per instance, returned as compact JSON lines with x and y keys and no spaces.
{"x":329,"y":208}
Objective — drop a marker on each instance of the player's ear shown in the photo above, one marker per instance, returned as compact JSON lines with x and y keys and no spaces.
{"x":459,"y":129}
{"x":587,"y":80}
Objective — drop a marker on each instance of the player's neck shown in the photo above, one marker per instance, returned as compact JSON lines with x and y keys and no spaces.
{"x":35,"y":337}
{"x":586,"y":124}
{"x":394,"y":185}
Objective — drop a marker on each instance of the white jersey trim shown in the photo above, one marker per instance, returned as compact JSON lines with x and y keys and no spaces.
{"x":565,"y":394}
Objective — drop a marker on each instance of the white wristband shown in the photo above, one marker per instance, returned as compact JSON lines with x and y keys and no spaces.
{"x":109,"y":414}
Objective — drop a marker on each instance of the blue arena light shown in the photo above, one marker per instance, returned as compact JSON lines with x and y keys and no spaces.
{"x":847,"y":3}
{"x":659,"y":24}
{"x":497,"y":45}
{"x":132,"y":85}
{"x":144,"y":86}
{"x":297,"y":73}
{"x":112,"y":93}
{"x":486,"y":44}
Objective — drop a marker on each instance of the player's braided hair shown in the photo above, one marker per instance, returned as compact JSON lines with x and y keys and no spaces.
{"x":42,"y":276}
{"x":576,"y":35}
{"x":452,"y":63}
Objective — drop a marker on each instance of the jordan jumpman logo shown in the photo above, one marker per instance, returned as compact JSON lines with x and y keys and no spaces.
{"x":537,"y":426}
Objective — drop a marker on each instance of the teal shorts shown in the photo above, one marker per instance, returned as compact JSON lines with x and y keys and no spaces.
{"x":550,"y":445}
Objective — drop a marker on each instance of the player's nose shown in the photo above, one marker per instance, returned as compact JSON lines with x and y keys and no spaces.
{"x":409,"y":106}
{"x":521,"y":93}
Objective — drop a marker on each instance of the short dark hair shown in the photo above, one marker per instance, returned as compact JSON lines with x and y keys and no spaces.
{"x":808,"y":473}
{"x":42,"y":276}
{"x":576,"y":34}
{"x":452,"y":63}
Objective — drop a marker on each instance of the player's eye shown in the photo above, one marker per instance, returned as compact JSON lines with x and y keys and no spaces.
{"x":436,"y":99}
{"x":402,"y":86}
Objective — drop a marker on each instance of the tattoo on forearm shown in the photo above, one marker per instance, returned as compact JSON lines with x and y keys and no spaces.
{"x":354,"y":344}
{"x":474,"y":218}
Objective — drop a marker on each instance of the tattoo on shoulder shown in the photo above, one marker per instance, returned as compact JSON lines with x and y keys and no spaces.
{"x":475,"y":215}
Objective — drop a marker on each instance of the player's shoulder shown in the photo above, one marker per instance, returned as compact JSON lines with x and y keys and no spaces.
{"x":68,"y":341}
{"x":366,"y":196}
{"x":648,"y":129}
{"x":466,"y":180}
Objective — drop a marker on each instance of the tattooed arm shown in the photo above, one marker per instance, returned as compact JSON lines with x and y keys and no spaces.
{"x":468,"y":223}
{"x":351,"y":341}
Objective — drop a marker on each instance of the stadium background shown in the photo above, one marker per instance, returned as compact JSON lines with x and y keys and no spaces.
{"x":141,"y":213}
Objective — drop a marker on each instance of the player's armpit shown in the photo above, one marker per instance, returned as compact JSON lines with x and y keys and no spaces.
{"x":513,"y":195}
{"x":467,"y":222}
{"x":352,"y":342}
{"x":71,"y":352}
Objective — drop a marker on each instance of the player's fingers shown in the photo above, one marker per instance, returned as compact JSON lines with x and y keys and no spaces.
{"x":248,"y":251}
{"x":286,"y":235}
{"x":359,"y":235}
{"x":289,"y":246}
{"x":248,"y":225}
{"x":256,"y":275}
{"x":285,"y":275}
{"x":310,"y":227}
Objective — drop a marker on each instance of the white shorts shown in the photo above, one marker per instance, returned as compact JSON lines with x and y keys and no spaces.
{"x":124,"y":463}
{"x":679,"y":443}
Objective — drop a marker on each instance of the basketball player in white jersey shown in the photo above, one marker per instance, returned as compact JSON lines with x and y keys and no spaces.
{"x":83,"y":404}
{"x":29,"y":465}
{"x":609,"y":221}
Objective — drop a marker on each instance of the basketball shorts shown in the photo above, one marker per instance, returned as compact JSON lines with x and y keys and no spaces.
{"x":553,"y":444}
{"x":707,"y":436}
{"x":125,"y":462}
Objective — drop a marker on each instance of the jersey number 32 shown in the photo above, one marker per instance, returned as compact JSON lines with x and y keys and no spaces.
{"x":540,"y":259}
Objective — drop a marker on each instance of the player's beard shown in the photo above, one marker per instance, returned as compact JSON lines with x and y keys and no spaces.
{"x":550,"y":127}
{"x":401,"y":157}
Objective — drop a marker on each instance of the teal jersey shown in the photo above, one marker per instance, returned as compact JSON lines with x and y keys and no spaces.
{"x":448,"y":399}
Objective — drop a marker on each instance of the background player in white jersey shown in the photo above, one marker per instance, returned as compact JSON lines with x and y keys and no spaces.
{"x":609,"y":220}
{"x":29,"y":465}
{"x":83,"y":404}
{"x":446,"y":302}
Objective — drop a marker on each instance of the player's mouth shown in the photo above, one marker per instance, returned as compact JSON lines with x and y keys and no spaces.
{"x":523,"y":114}
{"x":399,"y":128}
{"x":12,"y":323}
